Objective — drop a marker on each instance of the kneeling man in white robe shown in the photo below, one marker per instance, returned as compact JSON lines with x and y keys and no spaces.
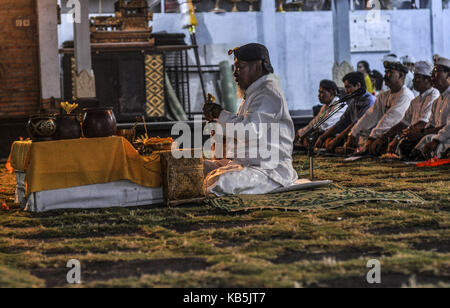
{"x":437,"y":141}
{"x":262,"y":132}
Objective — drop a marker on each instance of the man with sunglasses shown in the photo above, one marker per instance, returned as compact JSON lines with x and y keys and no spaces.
{"x":265,"y":115}
{"x":404,"y":136}
{"x":388,"y":110}
{"x":437,"y":140}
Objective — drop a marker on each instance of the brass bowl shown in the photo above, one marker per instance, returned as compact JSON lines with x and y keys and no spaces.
{"x":127,"y":133}
{"x":159,"y":146}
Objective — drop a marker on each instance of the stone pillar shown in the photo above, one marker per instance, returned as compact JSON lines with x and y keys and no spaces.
{"x":437,"y":27}
{"x":48,"y":52}
{"x":341,"y":31}
{"x":341,"y":35}
{"x":268,"y":9}
{"x":85,"y":79}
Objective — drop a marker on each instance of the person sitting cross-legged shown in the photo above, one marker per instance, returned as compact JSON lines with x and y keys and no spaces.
{"x":357,"y":107}
{"x":404,"y":136}
{"x":259,"y":160}
{"x":436,"y":141}
{"x":388,"y":110}
{"x":328,"y":91}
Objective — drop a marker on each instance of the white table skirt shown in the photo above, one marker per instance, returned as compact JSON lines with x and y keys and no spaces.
{"x":114,"y":194}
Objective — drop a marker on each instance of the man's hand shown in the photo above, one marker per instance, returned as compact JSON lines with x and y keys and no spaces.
{"x":297,"y":140}
{"x":406,"y":132}
{"x":412,"y":134}
{"x":377,"y":146}
{"x":319,"y":143}
{"x":212,"y":111}
{"x":332,"y":145}
{"x":350,"y":143}
{"x":430,"y":148}
{"x":392,"y":147}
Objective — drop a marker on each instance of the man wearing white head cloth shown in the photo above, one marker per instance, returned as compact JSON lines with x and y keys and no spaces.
{"x":268,"y":125}
{"x":437,"y":141}
{"x":388,"y":110}
{"x":404,"y":136}
{"x":409,"y":62}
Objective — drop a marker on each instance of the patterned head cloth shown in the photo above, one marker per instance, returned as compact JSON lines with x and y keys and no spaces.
{"x":443,"y":62}
{"x":393,"y":63}
{"x":253,"y":52}
{"x":423,"y":68}
{"x":408,"y":59}
{"x":390,"y":58}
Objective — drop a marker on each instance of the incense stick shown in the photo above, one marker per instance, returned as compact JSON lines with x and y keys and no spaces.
{"x":145,"y":125}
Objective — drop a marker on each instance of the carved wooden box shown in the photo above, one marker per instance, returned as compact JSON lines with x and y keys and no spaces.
{"x":183,"y":179}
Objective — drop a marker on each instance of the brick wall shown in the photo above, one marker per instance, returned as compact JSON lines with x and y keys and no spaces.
{"x":19,"y":62}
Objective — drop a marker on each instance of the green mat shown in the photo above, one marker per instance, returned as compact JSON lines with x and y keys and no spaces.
{"x":329,"y":197}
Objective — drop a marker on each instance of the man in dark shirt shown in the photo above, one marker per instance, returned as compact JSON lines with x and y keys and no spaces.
{"x":357,"y":107}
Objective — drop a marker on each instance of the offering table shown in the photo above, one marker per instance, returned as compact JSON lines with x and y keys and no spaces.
{"x":84,"y":173}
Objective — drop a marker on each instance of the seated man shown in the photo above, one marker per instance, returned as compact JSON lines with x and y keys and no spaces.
{"x":404,"y":136}
{"x":357,"y":107}
{"x":409,"y":62}
{"x":388,"y":110}
{"x":437,"y":139}
{"x":265,"y":116}
{"x":328,"y":91}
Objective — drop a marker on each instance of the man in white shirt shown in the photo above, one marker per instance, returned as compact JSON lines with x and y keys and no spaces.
{"x":388,"y":110}
{"x":328,"y":91}
{"x":409,"y":62}
{"x":404,"y":136}
{"x":437,"y":139}
{"x":265,"y":116}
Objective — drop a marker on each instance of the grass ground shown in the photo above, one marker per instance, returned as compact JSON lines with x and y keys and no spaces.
{"x":196,"y":246}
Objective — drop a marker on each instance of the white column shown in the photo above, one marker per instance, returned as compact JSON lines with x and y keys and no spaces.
{"x":48,"y":49}
{"x":437,"y":27}
{"x":341,"y":35}
{"x":341,"y":30}
{"x":85,"y":81}
{"x":82,"y":37}
{"x":268,"y":9}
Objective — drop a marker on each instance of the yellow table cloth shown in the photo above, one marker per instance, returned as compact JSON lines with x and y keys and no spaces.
{"x":78,"y":162}
{"x":18,"y":156}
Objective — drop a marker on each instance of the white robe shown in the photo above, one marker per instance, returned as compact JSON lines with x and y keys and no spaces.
{"x":264,"y":103}
{"x":440,"y":118}
{"x":421,"y":107}
{"x":389,"y":109}
{"x":409,"y":83}
{"x":420,"y":110}
{"x":322,"y":114}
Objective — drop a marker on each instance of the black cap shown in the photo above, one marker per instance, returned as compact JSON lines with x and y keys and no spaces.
{"x":253,"y":52}
{"x":396,"y":66}
{"x":330,"y":86}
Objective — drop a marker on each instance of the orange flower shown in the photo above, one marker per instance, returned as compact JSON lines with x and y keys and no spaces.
{"x":5,"y":207}
{"x":231,"y":51}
